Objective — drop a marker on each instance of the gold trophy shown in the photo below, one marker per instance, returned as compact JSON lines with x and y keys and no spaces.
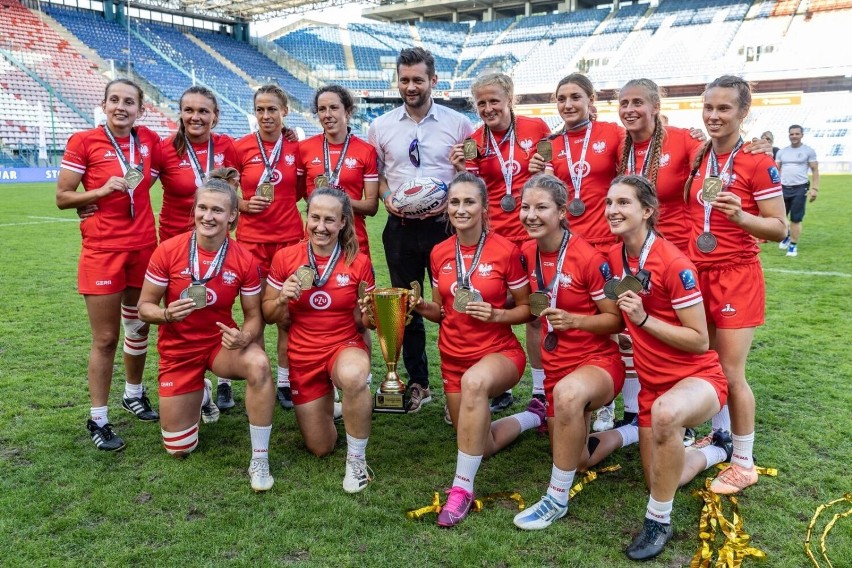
{"x":390,"y":312}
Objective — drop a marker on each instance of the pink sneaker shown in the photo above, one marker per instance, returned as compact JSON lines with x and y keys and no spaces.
{"x":457,"y":507}
{"x":733,"y":479}
{"x":539,"y":408}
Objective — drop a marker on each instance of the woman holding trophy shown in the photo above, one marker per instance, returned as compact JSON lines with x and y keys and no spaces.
{"x":313,"y":290}
{"x":472,"y":273}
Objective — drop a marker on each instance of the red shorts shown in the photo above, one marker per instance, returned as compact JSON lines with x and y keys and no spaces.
{"x":102,"y":272}
{"x":613,"y":366}
{"x":453,"y":369}
{"x":185,"y":373}
{"x":263,"y":253}
{"x":310,"y":380}
{"x":648,"y":394}
{"x":734,"y":295}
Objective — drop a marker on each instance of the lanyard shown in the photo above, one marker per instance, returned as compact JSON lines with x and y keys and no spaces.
{"x":643,"y":254}
{"x":577,"y":177}
{"x":508,"y":172}
{"x":539,"y":273}
{"x":334,"y":177}
{"x":631,"y":161}
{"x":713,"y":171}
{"x":215,"y":266}
{"x":462,"y":274}
{"x":272,"y":160}
{"x":320,"y":281}
{"x":126,"y":164}
{"x":196,"y":164}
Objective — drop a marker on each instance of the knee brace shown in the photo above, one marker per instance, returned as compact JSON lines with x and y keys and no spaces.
{"x":135,"y":331}
{"x":181,"y":443}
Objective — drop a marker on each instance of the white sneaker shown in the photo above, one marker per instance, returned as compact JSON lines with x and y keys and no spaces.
{"x":792,"y":251}
{"x":338,"y":411}
{"x":358,"y":475}
{"x":604,"y":420}
{"x":259,"y":473}
{"x":209,"y":412}
{"x":784,"y":244}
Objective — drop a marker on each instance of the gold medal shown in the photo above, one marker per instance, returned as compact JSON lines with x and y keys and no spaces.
{"x":267,"y":190}
{"x":198,"y":294}
{"x":710,"y":189}
{"x":133,"y":177}
{"x":463,"y":297}
{"x":545,"y":149}
{"x":628,"y":284}
{"x":539,"y":301}
{"x":306,"y":276}
{"x":321,"y":182}
{"x":470,"y":149}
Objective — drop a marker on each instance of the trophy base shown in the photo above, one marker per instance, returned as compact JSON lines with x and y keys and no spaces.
{"x":392,"y":403}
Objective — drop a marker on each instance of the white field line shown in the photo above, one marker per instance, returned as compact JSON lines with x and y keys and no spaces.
{"x":44,"y":221}
{"x":808,"y":272}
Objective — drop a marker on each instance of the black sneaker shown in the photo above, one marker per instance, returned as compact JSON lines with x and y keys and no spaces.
{"x":723,"y":439}
{"x":650,"y":542}
{"x":224,"y":396}
{"x":541,"y":398}
{"x":104,"y":438}
{"x":501,"y":402}
{"x":140,"y":407}
{"x":285,"y":398}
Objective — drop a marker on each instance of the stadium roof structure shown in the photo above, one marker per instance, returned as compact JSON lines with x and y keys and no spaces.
{"x":465,"y":10}
{"x":243,"y":10}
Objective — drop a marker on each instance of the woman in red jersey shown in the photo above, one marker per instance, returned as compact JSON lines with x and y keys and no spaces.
{"x":313,"y":289}
{"x":188,"y":156}
{"x":199,"y":276}
{"x":116,"y":164}
{"x":472,"y":273}
{"x":336,"y":158}
{"x":733,"y":198}
{"x":682,"y":382}
{"x":504,"y":145}
{"x":272,"y":184}
{"x":583,"y":367}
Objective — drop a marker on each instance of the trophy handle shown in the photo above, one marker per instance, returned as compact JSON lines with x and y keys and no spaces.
{"x":417,"y":292}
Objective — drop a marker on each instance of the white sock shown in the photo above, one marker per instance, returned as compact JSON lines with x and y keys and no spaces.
{"x":630,"y":392}
{"x":659,"y":511}
{"x":629,"y":434}
{"x":722,"y":420}
{"x":132,"y":391}
{"x":260,"y":441}
{"x":560,"y":484}
{"x":466,"y":468}
{"x":356,"y":447}
{"x":527,"y":420}
{"x":221,"y":381}
{"x":713,"y":455}
{"x":336,"y":394}
{"x":370,"y":379}
{"x":538,"y":381}
{"x":743,"y":446}
{"x":509,"y":391}
{"x":205,"y":400}
{"x":99,"y":415}
{"x":283,"y":377}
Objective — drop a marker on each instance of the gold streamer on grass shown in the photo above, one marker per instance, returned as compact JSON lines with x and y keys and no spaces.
{"x":479,"y":504}
{"x":435,"y":507}
{"x":769,"y":471}
{"x":590,"y":476}
{"x":828,"y":527}
{"x":735,"y":547}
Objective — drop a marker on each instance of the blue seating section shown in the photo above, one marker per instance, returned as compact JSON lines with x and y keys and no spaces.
{"x":317,"y":46}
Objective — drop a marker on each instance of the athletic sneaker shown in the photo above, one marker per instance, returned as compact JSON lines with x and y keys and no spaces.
{"x":338,"y":411}
{"x":285,"y":397}
{"x":792,"y":251}
{"x":541,"y":515}
{"x":604,"y":420}
{"x":140,"y":407}
{"x":539,"y":409}
{"x":723,"y":439}
{"x":703,"y":442}
{"x":733,"y":479}
{"x":784,"y":244}
{"x":540,"y":396}
{"x":447,"y":417}
{"x":358,"y":475}
{"x":458,"y":506}
{"x":209,"y":411}
{"x":418,"y":396}
{"x":689,"y":437}
{"x":259,"y":474}
{"x":651,"y":541}
{"x":224,"y":396}
{"x":104,"y":438}
{"x":501,"y":402}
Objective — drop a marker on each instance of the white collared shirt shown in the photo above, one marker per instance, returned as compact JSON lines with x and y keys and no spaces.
{"x":392,"y":133}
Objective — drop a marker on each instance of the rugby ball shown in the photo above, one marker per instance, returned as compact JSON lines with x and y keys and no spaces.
{"x":419,"y":197}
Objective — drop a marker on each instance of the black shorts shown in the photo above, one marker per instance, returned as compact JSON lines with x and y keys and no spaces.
{"x":795,"y":199}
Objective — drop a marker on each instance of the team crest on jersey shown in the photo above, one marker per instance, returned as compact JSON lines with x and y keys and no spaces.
{"x":219,"y":159}
{"x":316,"y":161}
{"x":774,"y":176}
{"x":605,"y":271}
{"x":351,"y":163}
{"x":484,"y":270}
{"x":582,"y":169}
{"x":687,"y":278}
{"x":110,"y":155}
{"x":320,"y":300}
{"x":447,"y":268}
{"x":526,"y":144}
{"x":211,"y":296}
{"x":229,"y":277}
{"x":289,"y":159}
{"x":184,"y":164}
{"x":515,"y":168}
{"x":276,"y":177}
{"x":143,"y":149}
{"x":342,"y":280}
{"x":599,"y":147}
{"x":565,"y":280}
{"x":728,"y":311}
{"x":665,"y":159}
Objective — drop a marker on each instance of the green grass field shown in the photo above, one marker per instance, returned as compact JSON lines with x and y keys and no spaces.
{"x":66,"y":504}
